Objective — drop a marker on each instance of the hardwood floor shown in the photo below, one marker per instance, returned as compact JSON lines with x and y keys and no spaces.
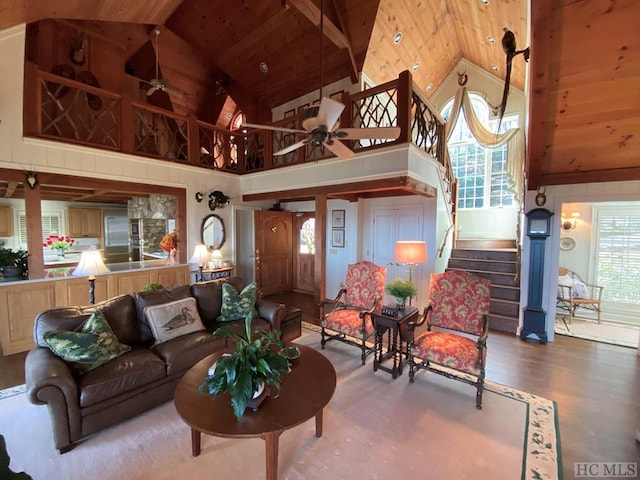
{"x":596,"y":387}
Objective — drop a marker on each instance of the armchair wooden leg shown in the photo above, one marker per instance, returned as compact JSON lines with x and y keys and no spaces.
{"x":479,"y":390}
{"x":322,"y":340}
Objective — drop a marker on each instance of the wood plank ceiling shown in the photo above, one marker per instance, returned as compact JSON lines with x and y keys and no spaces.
{"x":584,"y":119}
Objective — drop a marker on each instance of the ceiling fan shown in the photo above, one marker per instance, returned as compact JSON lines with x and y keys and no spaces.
{"x":160,"y":83}
{"x":321,"y":122}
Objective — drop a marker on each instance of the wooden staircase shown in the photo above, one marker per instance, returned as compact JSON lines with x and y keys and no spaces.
{"x":499,"y":266}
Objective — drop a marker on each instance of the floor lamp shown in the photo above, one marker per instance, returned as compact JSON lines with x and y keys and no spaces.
{"x":90,"y":264}
{"x":411,"y":253}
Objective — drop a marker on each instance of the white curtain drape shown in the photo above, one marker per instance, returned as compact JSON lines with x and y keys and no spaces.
{"x":514,"y":137}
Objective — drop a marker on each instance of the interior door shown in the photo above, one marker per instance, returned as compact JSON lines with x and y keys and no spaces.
{"x":304,"y":256}
{"x":245,"y":248}
{"x":274,"y":251}
{"x":389,"y":226}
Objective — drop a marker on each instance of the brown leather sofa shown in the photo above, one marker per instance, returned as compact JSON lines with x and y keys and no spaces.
{"x":135,"y":381}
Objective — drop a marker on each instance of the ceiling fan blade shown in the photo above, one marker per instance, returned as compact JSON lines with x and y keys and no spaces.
{"x":359,"y":133}
{"x":291,"y":148}
{"x":339,"y":148}
{"x":275,"y":129}
{"x":174,"y":93}
{"x":329,"y":112}
{"x":151,"y":91}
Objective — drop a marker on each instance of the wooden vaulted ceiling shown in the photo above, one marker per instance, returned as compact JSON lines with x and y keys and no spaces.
{"x":583,"y":78}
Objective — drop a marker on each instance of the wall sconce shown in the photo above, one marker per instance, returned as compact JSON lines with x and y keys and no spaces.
{"x":569,"y":223}
{"x":32,"y":180}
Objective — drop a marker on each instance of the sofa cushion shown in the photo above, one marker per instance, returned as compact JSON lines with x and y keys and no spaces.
{"x":93,"y":346}
{"x":120,"y":313}
{"x":209,"y":297}
{"x":237,"y":305}
{"x":183,"y":352}
{"x":155,"y":297}
{"x":127,"y":372}
{"x":173,"y":319}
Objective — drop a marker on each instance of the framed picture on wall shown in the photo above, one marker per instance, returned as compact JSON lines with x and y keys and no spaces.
{"x":337,"y":218}
{"x":337,"y":237}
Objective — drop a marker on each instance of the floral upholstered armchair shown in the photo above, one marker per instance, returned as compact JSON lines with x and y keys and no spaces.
{"x":459,"y":309}
{"x":349,"y":320}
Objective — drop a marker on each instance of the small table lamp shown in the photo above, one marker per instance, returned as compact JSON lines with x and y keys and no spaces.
{"x":200,"y":256}
{"x":90,"y":264}
{"x":216,"y":255}
{"x":411,"y":253}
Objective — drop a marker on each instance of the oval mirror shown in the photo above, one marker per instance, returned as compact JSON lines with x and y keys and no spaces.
{"x":212,"y":231}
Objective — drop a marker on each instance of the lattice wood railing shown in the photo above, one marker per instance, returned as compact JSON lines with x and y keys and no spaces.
{"x":67,"y":110}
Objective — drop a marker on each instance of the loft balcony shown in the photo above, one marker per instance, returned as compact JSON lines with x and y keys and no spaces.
{"x":59,"y":109}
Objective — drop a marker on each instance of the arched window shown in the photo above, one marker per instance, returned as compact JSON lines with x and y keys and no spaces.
{"x":481,"y":172}
{"x":307,"y":237}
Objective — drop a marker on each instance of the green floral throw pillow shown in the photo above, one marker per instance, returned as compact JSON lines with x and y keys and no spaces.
{"x":95,"y":345}
{"x":236,"y":306}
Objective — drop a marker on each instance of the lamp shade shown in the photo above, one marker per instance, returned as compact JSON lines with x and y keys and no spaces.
{"x":217,"y":254}
{"x":90,"y":264}
{"x":200,"y":254}
{"x":411,"y":251}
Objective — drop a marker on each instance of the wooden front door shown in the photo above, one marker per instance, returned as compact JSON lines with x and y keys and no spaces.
{"x":274,"y":252}
{"x":304,"y":255}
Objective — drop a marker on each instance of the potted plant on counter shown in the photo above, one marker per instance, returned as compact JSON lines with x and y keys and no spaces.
{"x":249,"y":369}
{"x":14,"y":265}
{"x":401,"y":289}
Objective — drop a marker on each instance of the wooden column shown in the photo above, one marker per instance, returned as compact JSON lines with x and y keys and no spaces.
{"x":33,"y":210}
{"x":320,"y":266}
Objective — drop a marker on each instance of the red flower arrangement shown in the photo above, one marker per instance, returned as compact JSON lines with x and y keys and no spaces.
{"x":58,"y":242}
{"x":169,"y":242}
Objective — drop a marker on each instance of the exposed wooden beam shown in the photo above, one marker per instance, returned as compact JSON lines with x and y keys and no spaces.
{"x":541,"y":21}
{"x":352,"y":58}
{"x":312,"y":12}
{"x":401,"y":185}
{"x":11,"y":188}
{"x":593,"y":176}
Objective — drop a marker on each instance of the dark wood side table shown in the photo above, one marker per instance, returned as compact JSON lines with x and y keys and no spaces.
{"x":304,"y":393}
{"x":396,"y":332}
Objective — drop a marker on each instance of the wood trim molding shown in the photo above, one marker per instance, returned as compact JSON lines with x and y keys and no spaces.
{"x":402,"y":185}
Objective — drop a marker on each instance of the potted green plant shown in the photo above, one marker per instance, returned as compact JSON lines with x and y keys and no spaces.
{"x":249,"y":368}
{"x":401,"y":289}
{"x":14,"y":264}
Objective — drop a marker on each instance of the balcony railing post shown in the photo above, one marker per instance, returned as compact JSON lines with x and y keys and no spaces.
{"x":193,"y":140}
{"x":405,"y":91}
{"x":127,"y":124}
{"x":32,"y":121}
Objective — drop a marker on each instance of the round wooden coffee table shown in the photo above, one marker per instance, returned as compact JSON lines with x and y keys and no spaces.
{"x":304,"y":392}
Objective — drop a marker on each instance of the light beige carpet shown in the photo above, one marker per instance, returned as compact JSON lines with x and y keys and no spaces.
{"x":604,"y":332}
{"x":374,"y":427}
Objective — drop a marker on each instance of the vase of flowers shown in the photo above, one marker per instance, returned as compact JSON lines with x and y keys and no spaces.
{"x":61,"y":243}
{"x":169,"y":244}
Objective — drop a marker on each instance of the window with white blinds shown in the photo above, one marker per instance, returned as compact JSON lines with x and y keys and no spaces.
{"x":50,"y":224}
{"x":617,"y":266}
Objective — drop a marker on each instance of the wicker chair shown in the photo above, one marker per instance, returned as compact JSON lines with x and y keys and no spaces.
{"x":349,"y":320}
{"x":459,"y":309}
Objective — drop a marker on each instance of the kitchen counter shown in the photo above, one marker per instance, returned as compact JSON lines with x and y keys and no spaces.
{"x":65,"y":269}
